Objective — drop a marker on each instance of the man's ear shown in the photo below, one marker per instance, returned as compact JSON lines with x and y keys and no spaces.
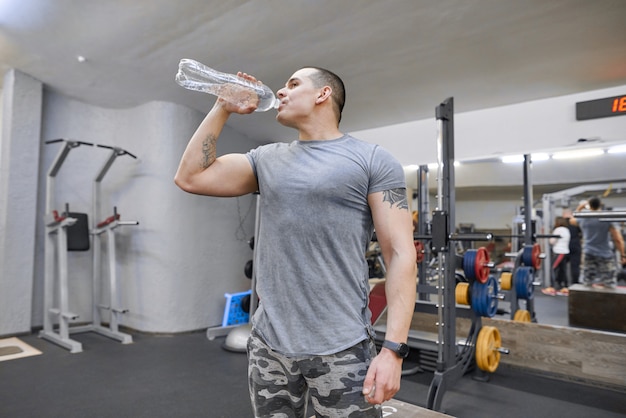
{"x":324,"y":94}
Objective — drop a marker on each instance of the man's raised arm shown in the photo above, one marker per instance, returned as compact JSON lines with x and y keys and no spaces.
{"x":201,"y":172}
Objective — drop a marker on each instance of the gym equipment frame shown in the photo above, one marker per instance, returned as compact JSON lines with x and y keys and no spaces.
{"x":56,"y":242}
{"x":108,"y":226}
{"x":57,"y":272}
{"x":454,"y":358}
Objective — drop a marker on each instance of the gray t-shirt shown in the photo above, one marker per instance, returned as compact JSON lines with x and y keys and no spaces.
{"x":315,"y":226}
{"x":596,"y":237}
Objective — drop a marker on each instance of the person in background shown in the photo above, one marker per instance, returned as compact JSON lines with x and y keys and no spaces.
{"x":560,"y":251}
{"x":321,"y":197}
{"x":575,"y":248}
{"x":599,"y":260}
{"x":621,"y":273}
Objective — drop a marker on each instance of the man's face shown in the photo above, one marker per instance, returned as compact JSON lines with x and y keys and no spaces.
{"x":297,"y":98}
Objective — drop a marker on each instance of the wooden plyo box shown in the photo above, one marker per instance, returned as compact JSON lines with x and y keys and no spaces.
{"x":398,"y":409}
{"x":597,"y":308}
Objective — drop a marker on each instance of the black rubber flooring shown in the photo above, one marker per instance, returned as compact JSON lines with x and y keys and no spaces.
{"x":187,"y":375}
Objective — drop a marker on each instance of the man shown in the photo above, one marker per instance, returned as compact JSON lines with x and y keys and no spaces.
{"x":598,"y":257}
{"x":321,"y":196}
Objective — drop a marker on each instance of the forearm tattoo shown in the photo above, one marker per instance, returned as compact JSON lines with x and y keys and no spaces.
{"x":396,"y":197}
{"x":208,"y":151}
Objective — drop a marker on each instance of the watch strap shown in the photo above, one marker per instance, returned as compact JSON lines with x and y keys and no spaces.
{"x":401,"y":349}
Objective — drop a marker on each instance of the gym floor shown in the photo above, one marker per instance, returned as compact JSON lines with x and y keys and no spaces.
{"x":186,"y":375}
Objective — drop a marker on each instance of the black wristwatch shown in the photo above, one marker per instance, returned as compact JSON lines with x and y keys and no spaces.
{"x":401,"y":349}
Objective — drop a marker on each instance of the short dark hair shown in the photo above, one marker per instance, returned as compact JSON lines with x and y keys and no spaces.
{"x":594,"y":203}
{"x":324,"y":77}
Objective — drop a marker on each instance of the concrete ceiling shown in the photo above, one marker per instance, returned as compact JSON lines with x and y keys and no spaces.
{"x":398,"y":58}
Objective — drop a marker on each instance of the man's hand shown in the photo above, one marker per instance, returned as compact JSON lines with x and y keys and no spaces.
{"x":247,"y":99}
{"x":382,"y":381}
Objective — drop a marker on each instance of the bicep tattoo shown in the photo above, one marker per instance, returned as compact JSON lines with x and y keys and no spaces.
{"x":396,"y":197}
{"x":208,"y":151}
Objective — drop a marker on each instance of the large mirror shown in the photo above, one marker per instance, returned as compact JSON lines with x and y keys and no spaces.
{"x":489,"y":195}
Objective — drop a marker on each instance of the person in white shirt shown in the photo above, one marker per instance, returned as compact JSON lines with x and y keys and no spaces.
{"x":560,"y":250}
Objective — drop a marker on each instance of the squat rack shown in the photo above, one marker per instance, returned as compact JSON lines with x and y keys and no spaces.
{"x":451,"y":363}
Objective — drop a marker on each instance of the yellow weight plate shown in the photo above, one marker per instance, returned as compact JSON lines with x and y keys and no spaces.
{"x":506,"y":279}
{"x":462,"y":293}
{"x":522,"y":315}
{"x":482,"y":344}
{"x":487,"y":344}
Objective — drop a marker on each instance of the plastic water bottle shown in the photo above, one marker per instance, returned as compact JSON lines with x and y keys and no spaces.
{"x":237,"y":90}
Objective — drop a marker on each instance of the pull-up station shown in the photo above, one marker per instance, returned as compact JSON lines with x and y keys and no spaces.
{"x":108,"y":226}
{"x":56,"y":272}
{"x":70,"y":232}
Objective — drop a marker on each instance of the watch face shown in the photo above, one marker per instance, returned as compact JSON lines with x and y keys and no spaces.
{"x":403,"y":350}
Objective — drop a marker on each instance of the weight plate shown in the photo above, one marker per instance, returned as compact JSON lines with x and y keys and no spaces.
{"x":536,"y":257}
{"x":491,"y":297}
{"x":485,"y":297}
{"x":523,"y":282}
{"x":469,"y":261}
{"x":487,"y":345}
{"x":505,"y":280}
{"x":419,"y":250}
{"x":247,"y":270}
{"x":522,"y":315}
{"x":462,"y":293}
{"x":527,"y":255}
{"x":480,"y":265}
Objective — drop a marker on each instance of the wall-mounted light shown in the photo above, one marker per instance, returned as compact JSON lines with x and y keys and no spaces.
{"x":617,"y":149}
{"x":577,"y":153}
{"x":542,"y":156}
{"x":434,"y":166}
{"x":508,"y":159}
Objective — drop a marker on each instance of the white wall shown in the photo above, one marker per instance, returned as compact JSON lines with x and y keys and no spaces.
{"x":520,"y":128}
{"x":544,"y":125}
{"x":19,"y":168}
{"x":176,"y":265}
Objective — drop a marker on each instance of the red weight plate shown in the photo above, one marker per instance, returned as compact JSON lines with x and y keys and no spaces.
{"x":480,"y":265}
{"x":536,"y":260}
{"x":419,"y":249}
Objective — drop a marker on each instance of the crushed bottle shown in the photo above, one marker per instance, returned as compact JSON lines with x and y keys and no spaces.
{"x":194,"y":75}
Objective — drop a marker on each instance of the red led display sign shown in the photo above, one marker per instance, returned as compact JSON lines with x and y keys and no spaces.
{"x":601,"y":108}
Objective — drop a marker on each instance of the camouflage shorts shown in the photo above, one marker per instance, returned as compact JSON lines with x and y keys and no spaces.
{"x":280,"y":386}
{"x":598,"y":269}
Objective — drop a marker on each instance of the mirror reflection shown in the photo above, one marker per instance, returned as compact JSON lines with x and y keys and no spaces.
{"x":489,"y":196}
